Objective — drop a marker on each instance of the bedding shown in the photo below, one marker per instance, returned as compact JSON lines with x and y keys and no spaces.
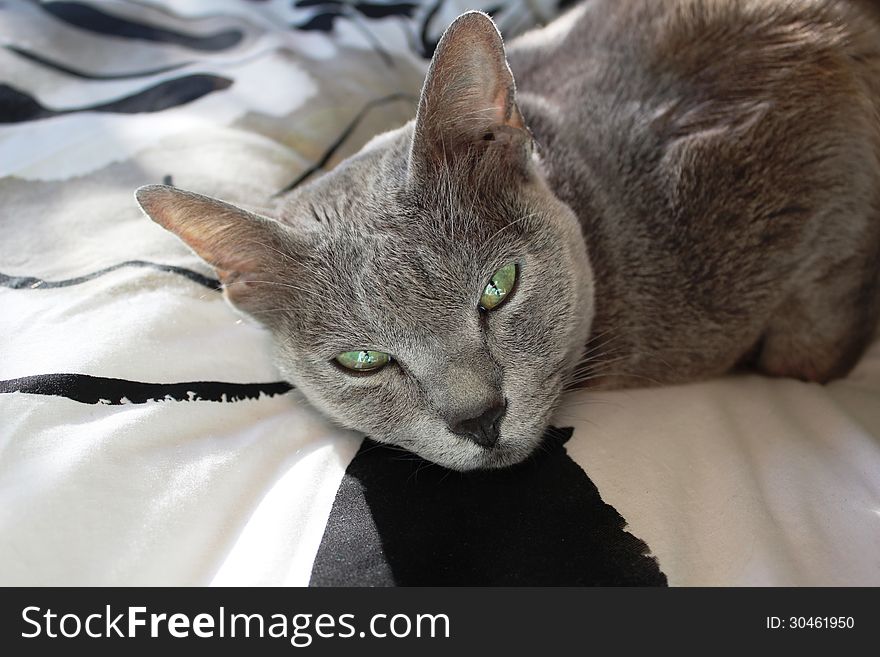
{"x":147,"y":439}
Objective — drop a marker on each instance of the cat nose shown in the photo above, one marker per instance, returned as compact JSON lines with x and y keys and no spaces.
{"x":482,"y":428}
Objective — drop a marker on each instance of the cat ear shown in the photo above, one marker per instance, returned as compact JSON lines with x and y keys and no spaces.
{"x":240,"y":245}
{"x":468,"y":101}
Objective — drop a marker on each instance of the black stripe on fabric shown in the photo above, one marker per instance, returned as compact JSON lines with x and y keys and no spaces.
{"x":94,"y":20}
{"x":102,"y":390}
{"x":386,"y":9}
{"x":323,"y":22}
{"x":368,"y":9}
{"x":33,"y":283}
{"x":17,"y":106}
{"x":345,"y":134}
{"x":330,"y":10}
{"x":399,"y":520}
{"x":62,"y":68}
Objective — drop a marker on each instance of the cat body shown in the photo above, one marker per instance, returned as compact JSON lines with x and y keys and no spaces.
{"x":668,"y":190}
{"x":724,"y":161}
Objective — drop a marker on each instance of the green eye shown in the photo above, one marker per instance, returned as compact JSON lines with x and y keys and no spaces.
{"x":500,"y":285}
{"x":363,"y":360}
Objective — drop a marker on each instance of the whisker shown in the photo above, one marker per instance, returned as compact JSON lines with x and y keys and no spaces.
{"x":508,"y":225}
{"x":280,"y":284}
{"x":286,"y":256}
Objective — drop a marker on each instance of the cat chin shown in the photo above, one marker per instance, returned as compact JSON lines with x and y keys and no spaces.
{"x":503,"y":458}
{"x":484,"y":459}
{"x":463,"y":456}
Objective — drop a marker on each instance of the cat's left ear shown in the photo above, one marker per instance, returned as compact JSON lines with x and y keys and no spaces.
{"x":468,"y":102}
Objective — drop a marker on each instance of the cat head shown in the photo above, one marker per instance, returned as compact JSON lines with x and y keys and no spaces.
{"x":430,"y":291}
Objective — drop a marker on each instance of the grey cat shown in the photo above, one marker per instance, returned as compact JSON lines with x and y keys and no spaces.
{"x":674,"y":189}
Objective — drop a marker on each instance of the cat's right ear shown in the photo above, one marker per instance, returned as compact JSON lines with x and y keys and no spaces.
{"x":240,"y":245}
{"x":468,"y":102}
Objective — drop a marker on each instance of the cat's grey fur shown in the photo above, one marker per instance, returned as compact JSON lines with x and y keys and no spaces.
{"x":702,"y":190}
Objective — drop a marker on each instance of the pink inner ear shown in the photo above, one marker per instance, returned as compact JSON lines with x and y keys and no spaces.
{"x":501,"y":101}
{"x":224,"y":247}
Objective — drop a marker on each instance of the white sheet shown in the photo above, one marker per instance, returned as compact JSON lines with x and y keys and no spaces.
{"x":744,"y":480}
